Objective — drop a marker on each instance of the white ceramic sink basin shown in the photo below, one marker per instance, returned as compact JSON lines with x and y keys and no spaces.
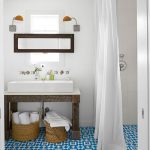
{"x":41,"y":86}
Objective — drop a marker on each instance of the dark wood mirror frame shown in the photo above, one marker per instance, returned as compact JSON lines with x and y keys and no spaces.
{"x":63,"y":36}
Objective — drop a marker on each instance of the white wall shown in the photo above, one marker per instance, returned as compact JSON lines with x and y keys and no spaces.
{"x":80,"y":63}
{"x":127,"y":25}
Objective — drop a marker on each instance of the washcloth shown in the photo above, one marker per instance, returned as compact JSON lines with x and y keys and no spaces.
{"x":57,"y":120}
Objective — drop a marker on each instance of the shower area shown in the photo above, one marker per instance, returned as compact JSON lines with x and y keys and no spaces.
{"x":127,"y":32}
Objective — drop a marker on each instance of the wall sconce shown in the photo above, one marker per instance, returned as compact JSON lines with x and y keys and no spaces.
{"x":76,"y":27}
{"x":12,"y":27}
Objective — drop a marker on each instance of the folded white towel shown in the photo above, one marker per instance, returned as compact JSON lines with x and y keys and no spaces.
{"x":24,"y":118}
{"x":15,"y":117}
{"x":58,"y":123}
{"x":65,"y":118}
{"x":34,"y":117}
{"x":56,"y":120}
{"x":53,"y":114}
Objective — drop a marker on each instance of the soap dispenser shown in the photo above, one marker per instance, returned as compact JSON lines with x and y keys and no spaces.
{"x":51,"y":75}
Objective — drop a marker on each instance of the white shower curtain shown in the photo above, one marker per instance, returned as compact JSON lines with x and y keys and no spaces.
{"x":109,"y":125}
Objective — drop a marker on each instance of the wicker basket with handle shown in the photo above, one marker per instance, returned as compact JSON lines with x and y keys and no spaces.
{"x":55,"y":134}
{"x":25,"y":132}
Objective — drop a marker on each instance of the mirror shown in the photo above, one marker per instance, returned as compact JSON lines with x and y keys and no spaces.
{"x":61,"y":43}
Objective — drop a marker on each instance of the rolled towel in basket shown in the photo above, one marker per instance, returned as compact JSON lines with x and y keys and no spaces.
{"x":15,"y":117}
{"x":34,"y":117}
{"x":24,"y":118}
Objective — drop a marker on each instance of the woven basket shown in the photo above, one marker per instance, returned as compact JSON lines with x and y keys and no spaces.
{"x":25,"y":132}
{"x":56,"y":134}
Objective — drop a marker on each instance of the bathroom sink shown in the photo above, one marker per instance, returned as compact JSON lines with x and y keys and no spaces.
{"x":41,"y":86}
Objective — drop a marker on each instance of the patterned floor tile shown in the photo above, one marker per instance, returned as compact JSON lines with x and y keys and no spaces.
{"x":86,"y":142}
{"x":130,"y":134}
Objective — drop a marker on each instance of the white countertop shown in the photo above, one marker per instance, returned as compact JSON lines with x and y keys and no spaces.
{"x":76,"y":91}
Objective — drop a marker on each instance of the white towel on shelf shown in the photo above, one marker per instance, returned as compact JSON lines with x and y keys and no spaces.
{"x":15,"y":117}
{"x":34,"y":117}
{"x":56,"y":120}
{"x":24,"y":118}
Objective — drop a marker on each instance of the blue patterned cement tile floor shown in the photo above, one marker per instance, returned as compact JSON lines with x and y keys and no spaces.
{"x":86,"y":142}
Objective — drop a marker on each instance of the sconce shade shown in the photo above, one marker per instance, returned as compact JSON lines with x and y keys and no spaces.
{"x":18,"y":18}
{"x":67,"y":18}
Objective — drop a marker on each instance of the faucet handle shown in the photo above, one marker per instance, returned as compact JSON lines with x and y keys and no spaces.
{"x":67,"y":72}
{"x":55,"y":72}
{"x":27,"y":72}
{"x":61,"y":72}
{"x":22,"y":72}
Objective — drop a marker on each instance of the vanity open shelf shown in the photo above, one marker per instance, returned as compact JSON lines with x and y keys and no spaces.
{"x":13,"y":98}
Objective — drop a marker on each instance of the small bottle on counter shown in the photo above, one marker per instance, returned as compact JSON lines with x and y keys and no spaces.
{"x":51,"y":75}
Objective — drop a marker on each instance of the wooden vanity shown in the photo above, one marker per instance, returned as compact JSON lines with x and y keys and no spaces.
{"x":12,"y":99}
